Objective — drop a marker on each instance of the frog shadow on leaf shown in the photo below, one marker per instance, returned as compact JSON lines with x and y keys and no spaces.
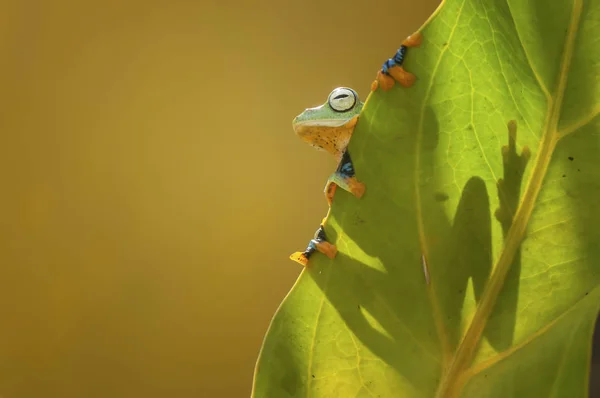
{"x":386,"y":307}
{"x":392,"y":287}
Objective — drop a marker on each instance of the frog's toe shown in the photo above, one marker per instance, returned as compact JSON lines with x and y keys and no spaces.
{"x":300,"y":258}
{"x":406,"y":79}
{"x":330,"y":192}
{"x":327,"y":248}
{"x":384,"y":81}
{"x":357,"y":188}
{"x":374,"y":85}
{"x":413,"y":40}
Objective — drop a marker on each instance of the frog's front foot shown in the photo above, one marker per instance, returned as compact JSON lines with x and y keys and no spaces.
{"x":350,"y":184}
{"x":345,"y":178}
{"x":318,"y":243}
{"x":392,"y":69}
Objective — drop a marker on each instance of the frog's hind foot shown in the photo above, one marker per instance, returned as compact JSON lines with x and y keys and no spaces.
{"x":328,"y":249}
{"x":318,"y":243}
{"x":301,"y":258}
{"x":392,"y":69}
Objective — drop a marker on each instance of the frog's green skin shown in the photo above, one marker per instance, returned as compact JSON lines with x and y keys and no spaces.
{"x":329,"y":127}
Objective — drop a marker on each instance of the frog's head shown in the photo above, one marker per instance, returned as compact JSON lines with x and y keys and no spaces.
{"x":330,"y":126}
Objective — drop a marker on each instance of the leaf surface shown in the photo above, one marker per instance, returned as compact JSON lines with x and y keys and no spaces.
{"x":471,"y":267}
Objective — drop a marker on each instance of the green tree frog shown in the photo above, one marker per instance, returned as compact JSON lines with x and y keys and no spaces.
{"x":329,"y":127}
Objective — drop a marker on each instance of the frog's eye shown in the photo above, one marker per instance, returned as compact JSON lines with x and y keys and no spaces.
{"x":342,"y":99}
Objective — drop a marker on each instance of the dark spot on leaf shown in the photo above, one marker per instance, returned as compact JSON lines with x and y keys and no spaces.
{"x":586,"y":293}
{"x":578,"y":169}
{"x":571,"y":158}
{"x":313,"y":376}
{"x":445,"y":44}
{"x":358,"y":220}
{"x":441,"y":196}
{"x":358,"y":306}
{"x":564,"y":175}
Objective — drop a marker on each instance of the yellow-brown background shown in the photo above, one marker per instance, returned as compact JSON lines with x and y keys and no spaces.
{"x":151,"y":186}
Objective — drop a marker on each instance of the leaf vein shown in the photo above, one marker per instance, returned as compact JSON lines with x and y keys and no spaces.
{"x":502,"y":72}
{"x":528,"y":58}
{"x":453,"y":381}
{"x":439,"y":324}
{"x":580,"y":123}
{"x":488,"y":363}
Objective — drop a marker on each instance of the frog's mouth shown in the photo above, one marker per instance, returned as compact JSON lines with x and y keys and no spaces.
{"x":320,"y":123}
{"x":308,"y":127}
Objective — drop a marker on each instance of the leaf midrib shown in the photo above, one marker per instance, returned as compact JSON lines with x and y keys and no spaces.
{"x":437,"y":315}
{"x":452,"y":382}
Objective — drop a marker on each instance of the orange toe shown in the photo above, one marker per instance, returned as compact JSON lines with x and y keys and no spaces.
{"x":384,"y":81}
{"x":406,"y":79}
{"x":413,"y":40}
{"x":327,"y":249}
{"x":300,"y":258}
{"x":374,"y":85}
{"x":329,"y":192}
{"x":358,"y":189}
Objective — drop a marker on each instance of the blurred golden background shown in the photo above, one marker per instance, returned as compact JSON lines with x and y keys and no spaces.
{"x":152,"y":187}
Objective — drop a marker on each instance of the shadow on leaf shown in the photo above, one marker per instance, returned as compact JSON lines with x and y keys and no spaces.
{"x":500,"y":328}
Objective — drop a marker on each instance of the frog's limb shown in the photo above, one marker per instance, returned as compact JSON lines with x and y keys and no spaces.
{"x":344,"y":177}
{"x":392,"y":68}
{"x":318,"y":243}
{"x":350,"y":184}
{"x":330,"y":191}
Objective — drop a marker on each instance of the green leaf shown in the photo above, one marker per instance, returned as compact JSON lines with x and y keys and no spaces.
{"x":502,"y":218}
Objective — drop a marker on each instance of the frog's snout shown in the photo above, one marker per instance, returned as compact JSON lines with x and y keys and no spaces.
{"x":298,"y":126}
{"x":300,"y":130}
{"x":307,"y":119}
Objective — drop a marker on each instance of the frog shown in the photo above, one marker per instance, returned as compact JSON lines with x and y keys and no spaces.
{"x":329,"y":127}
